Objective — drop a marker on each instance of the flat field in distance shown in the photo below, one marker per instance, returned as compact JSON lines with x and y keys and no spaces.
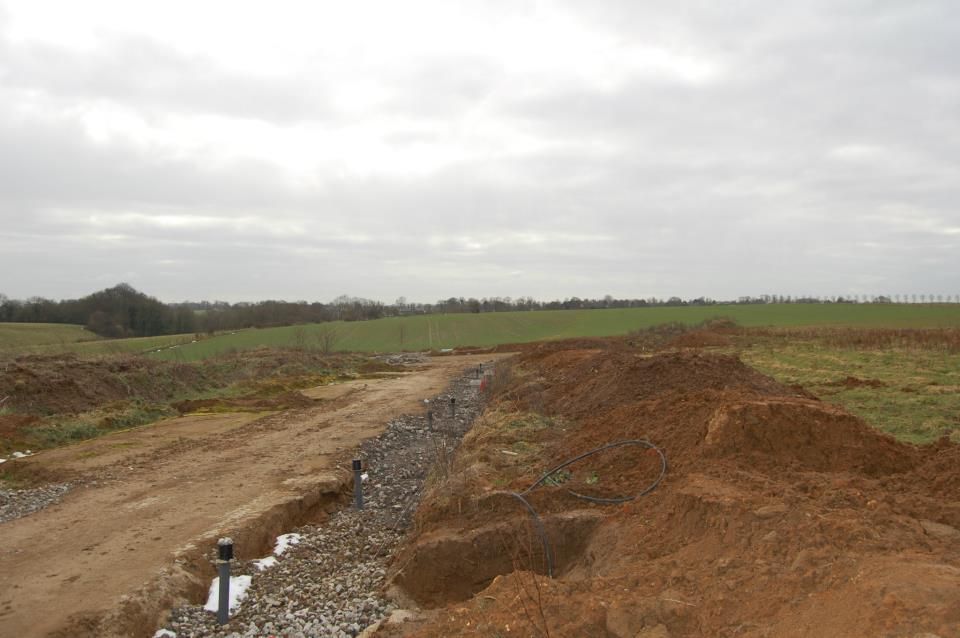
{"x":432,"y":332}
{"x":26,"y":335}
{"x":435,"y":332}
{"x":56,"y":338}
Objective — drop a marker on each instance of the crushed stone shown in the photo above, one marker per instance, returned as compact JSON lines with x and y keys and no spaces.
{"x":331,"y":582}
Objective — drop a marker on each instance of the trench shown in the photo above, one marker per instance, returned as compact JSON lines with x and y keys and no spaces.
{"x":398,"y":461}
{"x":192,"y":570}
{"x":449,"y":566}
{"x":257,"y":537}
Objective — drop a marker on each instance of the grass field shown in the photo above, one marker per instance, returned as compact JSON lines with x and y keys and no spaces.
{"x":55,"y":338}
{"x":19,"y":336}
{"x":447,"y":331}
{"x":910,"y":388}
{"x":425,"y":332}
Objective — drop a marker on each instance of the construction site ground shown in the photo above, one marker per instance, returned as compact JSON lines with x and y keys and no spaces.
{"x":131,"y":539}
{"x":779,"y":515}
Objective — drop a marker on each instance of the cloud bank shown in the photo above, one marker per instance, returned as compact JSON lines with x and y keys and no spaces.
{"x":428,"y":149}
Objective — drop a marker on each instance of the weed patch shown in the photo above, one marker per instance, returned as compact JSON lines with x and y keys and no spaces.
{"x":54,"y":435}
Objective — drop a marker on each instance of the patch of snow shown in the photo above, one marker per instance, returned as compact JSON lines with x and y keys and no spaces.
{"x":164,"y":633}
{"x":264,"y":563}
{"x":285,"y":542}
{"x":3,"y":460}
{"x":364,"y":477}
{"x":20,"y":455}
{"x":238,"y":591}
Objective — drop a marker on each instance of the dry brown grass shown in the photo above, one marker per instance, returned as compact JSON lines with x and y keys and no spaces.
{"x":938,"y":339}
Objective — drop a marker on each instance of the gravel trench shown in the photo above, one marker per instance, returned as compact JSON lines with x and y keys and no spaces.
{"x":331,"y":582}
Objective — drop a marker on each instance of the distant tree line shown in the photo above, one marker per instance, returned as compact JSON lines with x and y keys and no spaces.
{"x":122,"y":311}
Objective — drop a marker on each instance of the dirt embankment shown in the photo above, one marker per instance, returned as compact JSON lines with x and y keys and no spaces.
{"x":41,"y":394}
{"x":779,"y":516}
{"x":66,"y":383}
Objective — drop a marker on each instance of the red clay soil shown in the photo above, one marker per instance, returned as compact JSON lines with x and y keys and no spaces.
{"x":779,"y":516}
{"x":10,"y":424}
{"x":700,"y":339}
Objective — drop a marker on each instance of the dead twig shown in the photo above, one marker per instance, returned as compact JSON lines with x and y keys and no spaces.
{"x":681,"y":602}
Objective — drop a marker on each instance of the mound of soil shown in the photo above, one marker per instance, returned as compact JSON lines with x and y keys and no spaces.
{"x":540,"y":350}
{"x":804,"y":435}
{"x":779,"y":516}
{"x":700,"y":339}
{"x":579,"y":384}
{"x":67,"y":384}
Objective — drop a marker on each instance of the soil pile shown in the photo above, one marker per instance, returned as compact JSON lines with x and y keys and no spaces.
{"x":700,"y":339}
{"x":780,"y":515}
{"x":68,"y":384}
{"x":580,"y":383}
{"x":58,"y":384}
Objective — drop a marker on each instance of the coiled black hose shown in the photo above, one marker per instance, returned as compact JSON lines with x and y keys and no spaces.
{"x":538,"y":523}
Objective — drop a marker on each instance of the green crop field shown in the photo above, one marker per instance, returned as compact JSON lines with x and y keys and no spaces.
{"x":54,"y":338}
{"x":26,"y":335}
{"x":424,"y":332}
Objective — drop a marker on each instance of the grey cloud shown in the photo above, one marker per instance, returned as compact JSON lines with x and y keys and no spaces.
{"x":55,"y":165}
{"x":443,"y":88}
{"x":158,"y":78}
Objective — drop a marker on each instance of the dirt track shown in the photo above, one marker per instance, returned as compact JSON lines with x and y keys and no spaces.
{"x":123,"y":547}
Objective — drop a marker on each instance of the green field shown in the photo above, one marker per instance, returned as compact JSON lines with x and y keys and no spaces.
{"x":425,"y":332}
{"x":27,"y":335}
{"x":54,"y":338}
{"x":911,"y":390}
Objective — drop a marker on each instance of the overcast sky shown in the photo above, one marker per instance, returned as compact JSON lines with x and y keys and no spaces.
{"x":300,"y":150}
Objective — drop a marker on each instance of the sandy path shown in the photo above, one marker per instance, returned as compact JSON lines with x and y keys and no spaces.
{"x":165,"y":492}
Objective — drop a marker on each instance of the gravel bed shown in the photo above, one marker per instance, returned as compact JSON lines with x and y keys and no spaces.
{"x":331,"y":582}
{"x":18,"y":503}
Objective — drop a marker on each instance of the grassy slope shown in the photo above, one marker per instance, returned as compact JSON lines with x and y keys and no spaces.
{"x":447,"y":331}
{"x":915,"y":393}
{"x":52,"y":338}
{"x":25,"y":335}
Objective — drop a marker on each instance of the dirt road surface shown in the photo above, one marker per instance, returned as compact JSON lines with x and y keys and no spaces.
{"x":133,"y":538}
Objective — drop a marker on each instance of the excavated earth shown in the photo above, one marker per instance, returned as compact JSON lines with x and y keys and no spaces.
{"x":779,"y":515}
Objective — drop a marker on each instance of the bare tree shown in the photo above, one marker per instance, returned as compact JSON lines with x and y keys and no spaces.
{"x":327,"y":338}
{"x":299,"y":337}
